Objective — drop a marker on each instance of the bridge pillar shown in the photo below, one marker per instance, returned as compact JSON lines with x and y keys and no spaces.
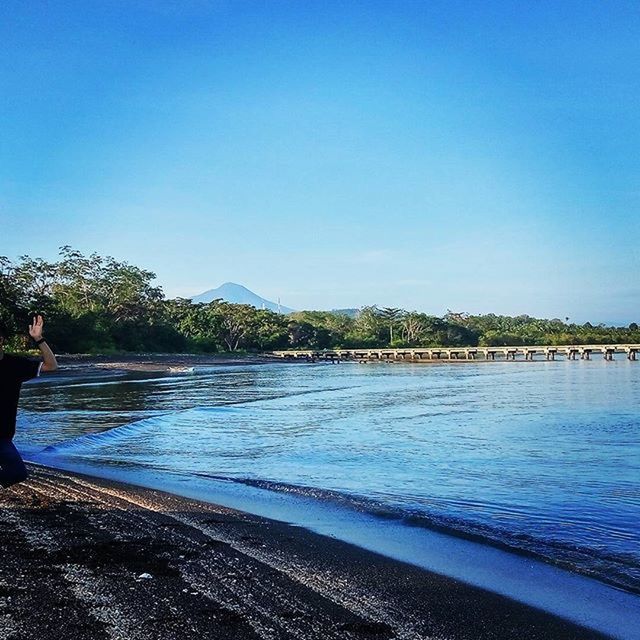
{"x":464,"y":353}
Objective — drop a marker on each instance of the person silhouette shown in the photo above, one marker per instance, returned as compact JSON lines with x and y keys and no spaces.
{"x":14,"y":370}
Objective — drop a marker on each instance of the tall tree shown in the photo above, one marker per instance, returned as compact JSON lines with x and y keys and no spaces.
{"x":391,"y":315}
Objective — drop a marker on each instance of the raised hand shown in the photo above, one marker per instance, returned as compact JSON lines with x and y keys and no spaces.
{"x":35,"y":328}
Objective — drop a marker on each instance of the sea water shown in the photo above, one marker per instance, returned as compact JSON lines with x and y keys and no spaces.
{"x":541,"y":458}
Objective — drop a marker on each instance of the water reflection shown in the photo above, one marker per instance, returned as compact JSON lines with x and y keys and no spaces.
{"x":545,"y":456}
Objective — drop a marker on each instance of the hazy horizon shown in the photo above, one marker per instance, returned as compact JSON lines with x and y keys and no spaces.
{"x":381,"y":305}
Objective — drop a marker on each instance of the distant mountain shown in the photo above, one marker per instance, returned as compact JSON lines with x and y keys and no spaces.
{"x":236,"y":293}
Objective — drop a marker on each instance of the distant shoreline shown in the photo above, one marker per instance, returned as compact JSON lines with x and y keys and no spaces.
{"x":162,"y":362}
{"x":177,"y":362}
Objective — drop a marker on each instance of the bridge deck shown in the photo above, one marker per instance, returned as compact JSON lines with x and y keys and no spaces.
{"x":548,"y":352}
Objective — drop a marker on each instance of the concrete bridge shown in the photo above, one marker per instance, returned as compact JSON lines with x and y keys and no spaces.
{"x":548,"y":352}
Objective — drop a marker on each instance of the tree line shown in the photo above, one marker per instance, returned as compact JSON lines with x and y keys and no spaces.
{"x":96,"y":304}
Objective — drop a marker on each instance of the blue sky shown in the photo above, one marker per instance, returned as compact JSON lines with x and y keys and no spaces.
{"x":477,"y":156}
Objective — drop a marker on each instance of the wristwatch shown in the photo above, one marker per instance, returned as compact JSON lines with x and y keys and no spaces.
{"x":39,"y":342}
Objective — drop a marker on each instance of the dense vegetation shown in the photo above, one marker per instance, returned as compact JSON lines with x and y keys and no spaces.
{"x":95,"y":304}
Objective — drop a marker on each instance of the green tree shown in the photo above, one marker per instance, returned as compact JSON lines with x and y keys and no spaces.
{"x":391,"y":316}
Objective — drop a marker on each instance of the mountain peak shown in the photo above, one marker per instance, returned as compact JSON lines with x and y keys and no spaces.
{"x":239,"y":294}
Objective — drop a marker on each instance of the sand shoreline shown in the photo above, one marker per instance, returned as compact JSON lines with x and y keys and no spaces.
{"x":84,"y":546}
{"x":162,"y":362}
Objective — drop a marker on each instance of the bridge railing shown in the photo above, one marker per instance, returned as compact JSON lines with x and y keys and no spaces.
{"x":529,"y":352}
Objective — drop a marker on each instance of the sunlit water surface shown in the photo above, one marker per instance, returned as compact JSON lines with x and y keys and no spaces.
{"x":542,"y":457}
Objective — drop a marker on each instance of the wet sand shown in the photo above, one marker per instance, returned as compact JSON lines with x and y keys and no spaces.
{"x":85,"y":558}
{"x":162,"y":362}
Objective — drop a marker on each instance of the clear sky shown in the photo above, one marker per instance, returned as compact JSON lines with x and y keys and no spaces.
{"x":478,"y":156}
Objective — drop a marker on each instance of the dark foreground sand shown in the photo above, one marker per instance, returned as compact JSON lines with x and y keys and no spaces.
{"x":75,"y":551}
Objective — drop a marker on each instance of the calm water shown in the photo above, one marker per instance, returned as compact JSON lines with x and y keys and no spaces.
{"x":543,"y":457}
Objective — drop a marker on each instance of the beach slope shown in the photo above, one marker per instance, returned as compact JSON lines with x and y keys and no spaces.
{"x":86,"y":558}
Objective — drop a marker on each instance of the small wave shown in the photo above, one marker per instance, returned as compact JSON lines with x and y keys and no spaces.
{"x":284,"y":396}
{"x":108,"y":436}
{"x":101,"y":437}
{"x":619,"y":570}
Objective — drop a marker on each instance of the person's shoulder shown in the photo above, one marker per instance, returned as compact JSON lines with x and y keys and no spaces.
{"x":9,"y":364}
{"x":12,"y":358}
{"x":20,"y":367}
{"x":13,"y":361}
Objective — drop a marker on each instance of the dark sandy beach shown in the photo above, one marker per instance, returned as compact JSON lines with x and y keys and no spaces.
{"x":92,"y":559}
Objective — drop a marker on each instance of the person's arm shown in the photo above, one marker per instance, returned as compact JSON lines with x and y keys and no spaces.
{"x":49,"y":362}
